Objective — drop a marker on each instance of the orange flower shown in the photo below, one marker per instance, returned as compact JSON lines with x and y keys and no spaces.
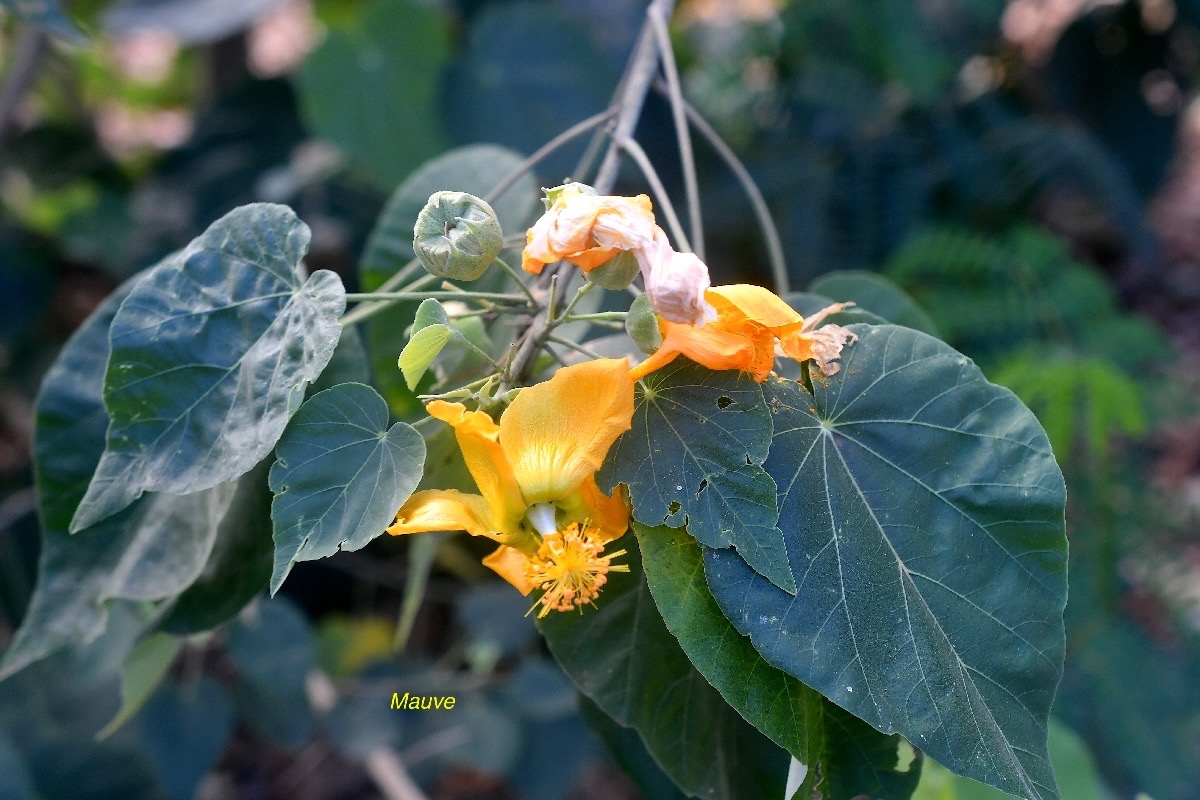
{"x":535,"y":471}
{"x":587,"y":229}
{"x":750,"y":322}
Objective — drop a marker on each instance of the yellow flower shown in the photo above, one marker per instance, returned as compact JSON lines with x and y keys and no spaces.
{"x":587,"y":229}
{"x":751,"y":322}
{"x":535,"y":472}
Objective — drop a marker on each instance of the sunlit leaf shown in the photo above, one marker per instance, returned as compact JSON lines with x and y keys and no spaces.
{"x":211,"y":353}
{"x":694,"y":457}
{"x":421,"y":350}
{"x":924,"y":519}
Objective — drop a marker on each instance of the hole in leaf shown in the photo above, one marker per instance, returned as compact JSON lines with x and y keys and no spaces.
{"x":703,"y":486}
{"x":724,"y":402}
{"x":674,"y":507}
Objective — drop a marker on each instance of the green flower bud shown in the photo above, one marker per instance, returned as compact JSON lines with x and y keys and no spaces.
{"x":457,"y":236}
{"x":616,"y":273}
{"x":641,"y":323}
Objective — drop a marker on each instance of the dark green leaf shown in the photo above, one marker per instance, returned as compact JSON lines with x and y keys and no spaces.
{"x":630,"y":752}
{"x":150,"y":551}
{"x":373,"y":91}
{"x":622,"y":656}
{"x":694,"y":458}
{"x":843,"y":755}
{"x":15,"y":783}
{"x":184,"y":728}
{"x":924,"y":517}
{"x":874,"y":293}
{"x":211,"y":353}
{"x":1073,"y":767}
{"x":239,"y":566}
{"x":273,"y":649}
{"x":529,"y":71}
{"x":809,"y":304}
{"x":340,"y":474}
{"x":348,"y":364}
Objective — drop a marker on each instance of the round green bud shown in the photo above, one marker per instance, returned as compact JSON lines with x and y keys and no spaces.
{"x":616,"y":273}
{"x":457,"y":236}
{"x":641,"y":323}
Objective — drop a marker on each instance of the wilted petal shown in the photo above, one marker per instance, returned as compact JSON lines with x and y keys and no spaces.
{"x":675,"y":282}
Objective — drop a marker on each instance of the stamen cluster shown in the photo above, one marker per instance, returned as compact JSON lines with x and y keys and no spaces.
{"x":570,"y":569}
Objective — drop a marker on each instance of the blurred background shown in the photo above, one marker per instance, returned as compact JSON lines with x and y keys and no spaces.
{"x":1028,"y":171}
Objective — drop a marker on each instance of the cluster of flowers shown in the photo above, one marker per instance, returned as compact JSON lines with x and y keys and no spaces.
{"x":535,"y":469}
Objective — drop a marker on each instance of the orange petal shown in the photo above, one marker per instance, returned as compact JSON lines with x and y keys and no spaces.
{"x":757,"y":304}
{"x":478,"y":438}
{"x":709,"y":345}
{"x":823,"y":345}
{"x":557,"y":433}
{"x":513,"y":566}
{"x":444,"y":510}
{"x":608,"y":516}
{"x":589,"y":259}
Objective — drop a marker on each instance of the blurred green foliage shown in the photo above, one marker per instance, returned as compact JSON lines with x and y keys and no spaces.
{"x":907,"y":140}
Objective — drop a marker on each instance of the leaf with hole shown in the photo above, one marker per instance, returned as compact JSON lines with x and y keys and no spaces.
{"x":924,"y":518}
{"x":694,"y":458}
{"x":211,"y":353}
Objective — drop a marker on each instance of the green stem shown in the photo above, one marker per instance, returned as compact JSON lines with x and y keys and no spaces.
{"x":364,"y":297}
{"x":516,"y":276}
{"x":618,"y":316}
{"x":583,"y":290}
{"x":578,"y":348}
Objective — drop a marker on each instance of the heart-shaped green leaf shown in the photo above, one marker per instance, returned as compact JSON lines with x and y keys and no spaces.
{"x":419,"y":354}
{"x":339,"y":476}
{"x":211,"y":353}
{"x":694,"y":457}
{"x":924,"y":518}
{"x":843,"y":755}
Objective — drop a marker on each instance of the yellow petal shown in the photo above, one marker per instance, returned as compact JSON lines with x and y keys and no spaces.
{"x":708,"y":345}
{"x":444,"y":510}
{"x":513,"y":566}
{"x":478,"y":438}
{"x":757,"y":304}
{"x":557,"y":433}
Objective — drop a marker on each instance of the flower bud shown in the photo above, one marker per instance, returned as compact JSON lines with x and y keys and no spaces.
{"x":457,"y":236}
{"x":616,"y":273}
{"x":641,"y":323}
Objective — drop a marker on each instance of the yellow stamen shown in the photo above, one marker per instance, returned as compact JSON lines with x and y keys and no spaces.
{"x":570,"y":569}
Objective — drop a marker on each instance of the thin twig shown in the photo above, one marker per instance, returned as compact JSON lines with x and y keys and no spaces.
{"x":635,"y":150}
{"x":571,"y":133}
{"x":518,"y":279}
{"x":686,"y":158}
{"x":366,"y":297}
{"x":578,"y":348}
{"x":775,"y":254}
